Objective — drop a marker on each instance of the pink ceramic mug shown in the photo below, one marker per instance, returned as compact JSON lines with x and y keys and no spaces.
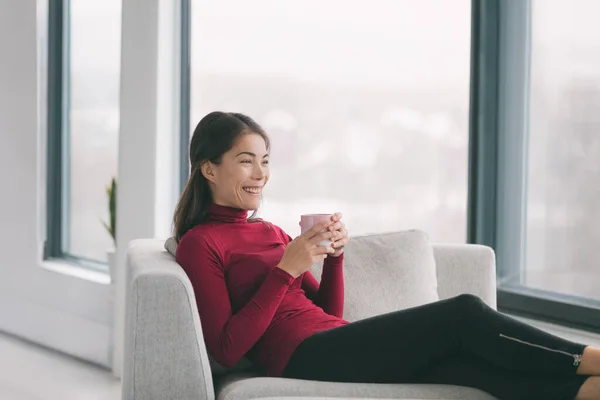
{"x":307,"y":221}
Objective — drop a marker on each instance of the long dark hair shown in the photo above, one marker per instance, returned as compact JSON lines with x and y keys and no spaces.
{"x":214,"y":135}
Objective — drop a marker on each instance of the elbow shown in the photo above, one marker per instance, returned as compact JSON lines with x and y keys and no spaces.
{"x":225,"y":361}
{"x":226,"y":350}
{"x":226,"y":358}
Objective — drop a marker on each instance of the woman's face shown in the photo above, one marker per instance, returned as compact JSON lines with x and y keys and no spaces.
{"x":244,"y":171}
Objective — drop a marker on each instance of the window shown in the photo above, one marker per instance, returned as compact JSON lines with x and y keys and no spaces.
{"x":563,"y":208}
{"x":534,"y":156}
{"x":83,"y":123}
{"x":366,"y":104}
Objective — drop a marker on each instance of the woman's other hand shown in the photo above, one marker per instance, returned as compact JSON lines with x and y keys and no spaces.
{"x":340,"y":236}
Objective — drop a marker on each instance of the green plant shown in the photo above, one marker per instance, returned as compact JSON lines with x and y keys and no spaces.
{"x":111,"y":192}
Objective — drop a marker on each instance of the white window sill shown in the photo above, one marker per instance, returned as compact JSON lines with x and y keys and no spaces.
{"x":575,"y":335}
{"x":76,"y":270}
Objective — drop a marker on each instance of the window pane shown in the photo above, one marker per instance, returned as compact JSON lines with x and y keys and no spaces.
{"x":94,"y":62}
{"x":563,"y":209}
{"x":366,"y":104}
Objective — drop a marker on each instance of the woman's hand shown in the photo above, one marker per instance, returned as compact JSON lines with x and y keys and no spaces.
{"x":304,"y":251}
{"x":340,"y":235}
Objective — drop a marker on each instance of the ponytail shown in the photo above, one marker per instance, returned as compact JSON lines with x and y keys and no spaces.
{"x":193,"y":204}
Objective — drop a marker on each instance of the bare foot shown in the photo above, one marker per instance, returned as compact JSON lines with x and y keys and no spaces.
{"x":590,"y":390}
{"x":590,"y":362}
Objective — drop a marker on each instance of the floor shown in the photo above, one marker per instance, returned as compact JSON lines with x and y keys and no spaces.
{"x":31,"y":372}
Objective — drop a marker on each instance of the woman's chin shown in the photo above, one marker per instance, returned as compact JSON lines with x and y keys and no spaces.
{"x":250,"y":205}
{"x":252,"y":202}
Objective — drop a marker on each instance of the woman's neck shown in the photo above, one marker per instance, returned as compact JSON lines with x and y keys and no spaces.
{"x":228,"y":214}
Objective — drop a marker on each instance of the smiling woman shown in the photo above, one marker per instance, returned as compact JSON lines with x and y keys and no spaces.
{"x":229,"y":156}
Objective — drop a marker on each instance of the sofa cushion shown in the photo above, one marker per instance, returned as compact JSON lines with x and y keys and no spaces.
{"x":248,"y":386}
{"x":171,"y":246}
{"x":398,"y":266}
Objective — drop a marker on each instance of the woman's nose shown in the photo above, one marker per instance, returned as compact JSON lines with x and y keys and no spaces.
{"x":259,"y":172}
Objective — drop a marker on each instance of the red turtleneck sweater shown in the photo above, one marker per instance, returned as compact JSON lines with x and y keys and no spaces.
{"x":248,"y":306}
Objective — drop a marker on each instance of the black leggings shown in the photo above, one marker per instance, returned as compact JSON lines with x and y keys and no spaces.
{"x":458,"y":341}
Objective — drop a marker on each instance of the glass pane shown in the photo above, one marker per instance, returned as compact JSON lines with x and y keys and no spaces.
{"x":366,"y":104}
{"x":94,"y":62}
{"x":563,"y":209}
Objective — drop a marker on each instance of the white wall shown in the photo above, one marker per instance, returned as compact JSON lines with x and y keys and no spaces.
{"x":55,"y":304}
{"x":54,"y":309}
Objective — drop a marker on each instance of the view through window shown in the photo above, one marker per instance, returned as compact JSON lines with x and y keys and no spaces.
{"x":91,"y":141}
{"x":563,"y":208}
{"x":366,"y":104}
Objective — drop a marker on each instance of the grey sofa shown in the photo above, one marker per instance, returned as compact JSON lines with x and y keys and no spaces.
{"x":165,"y":356}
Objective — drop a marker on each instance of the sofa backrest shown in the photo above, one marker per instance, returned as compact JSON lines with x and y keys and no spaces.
{"x":387,"y":272}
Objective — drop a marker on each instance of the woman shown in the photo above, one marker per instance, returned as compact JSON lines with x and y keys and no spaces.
{"x":256,"y":299}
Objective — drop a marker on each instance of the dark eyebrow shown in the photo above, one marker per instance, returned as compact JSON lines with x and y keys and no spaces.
{"x":251,"y":154}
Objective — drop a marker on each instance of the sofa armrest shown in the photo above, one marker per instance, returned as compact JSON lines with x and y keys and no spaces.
{"x":164,"y":355}
{"x":466,"y":268}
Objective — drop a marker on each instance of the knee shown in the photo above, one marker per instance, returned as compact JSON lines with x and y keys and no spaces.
{"x":469,"y":303}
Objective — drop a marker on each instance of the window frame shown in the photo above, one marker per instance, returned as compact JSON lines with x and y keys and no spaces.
{"x":500,"y":63}
{"x":56,"y":94}
{"x":57,"y":144}
{"x":185,"y":90}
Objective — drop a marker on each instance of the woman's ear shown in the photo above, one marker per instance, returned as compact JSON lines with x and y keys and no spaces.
{"x":207,"y":169}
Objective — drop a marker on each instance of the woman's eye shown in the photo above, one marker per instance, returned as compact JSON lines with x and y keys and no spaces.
{"x":247,"y":161}
{"x":266,"y":162}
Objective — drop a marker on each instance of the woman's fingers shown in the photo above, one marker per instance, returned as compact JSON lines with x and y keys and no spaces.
{"x":337,"y":226}
{"x":340,"y":238}
{"x":340,"y":243}
{"x":320,"y":237}
{"x":340,"y":233}
{"x":323,"y":250}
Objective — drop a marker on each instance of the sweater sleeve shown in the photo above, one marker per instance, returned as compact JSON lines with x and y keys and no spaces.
{"x":310,"y":286}
{"x":329,"y":295}
{"x":228,"y":336}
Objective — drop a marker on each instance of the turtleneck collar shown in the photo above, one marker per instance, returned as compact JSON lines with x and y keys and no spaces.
{"x":220,"y":213}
